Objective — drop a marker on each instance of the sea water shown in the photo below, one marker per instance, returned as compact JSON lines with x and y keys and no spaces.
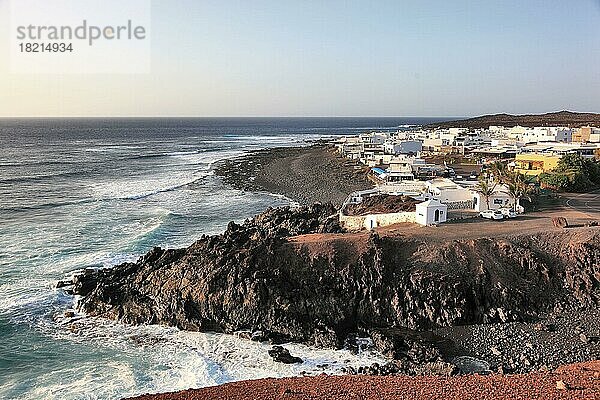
{"x":98,"y":192}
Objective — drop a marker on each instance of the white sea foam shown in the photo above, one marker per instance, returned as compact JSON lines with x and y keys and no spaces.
{"x":135,"y":189}
{"x":157,"y":359}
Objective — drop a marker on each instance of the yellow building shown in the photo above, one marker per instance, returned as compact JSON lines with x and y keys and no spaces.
{"x":535,"y":164}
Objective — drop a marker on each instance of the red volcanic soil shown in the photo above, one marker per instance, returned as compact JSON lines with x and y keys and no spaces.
{"x":577,"y":381}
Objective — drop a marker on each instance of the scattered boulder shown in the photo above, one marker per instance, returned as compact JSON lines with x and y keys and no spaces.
{"x":472,"y":365}
{"x":258,"y":336}
{"x":561,"y":385}
{"x":412,"y":354}
{"x":243,"y":334}
{"x":282,"y":355}
{"x":62,"y":284}
{"x":560,"y":222}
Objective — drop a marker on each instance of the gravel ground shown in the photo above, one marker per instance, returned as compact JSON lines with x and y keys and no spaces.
{"x":567,"y":337}
{"x":581,"y":381}
{"x":303,"y":174}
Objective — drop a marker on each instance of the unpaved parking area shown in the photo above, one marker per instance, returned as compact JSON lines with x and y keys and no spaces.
{"x":578,"y":209}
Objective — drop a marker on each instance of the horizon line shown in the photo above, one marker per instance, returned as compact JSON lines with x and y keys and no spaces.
{"x":227,"y":116}
{"x":285,"y":116}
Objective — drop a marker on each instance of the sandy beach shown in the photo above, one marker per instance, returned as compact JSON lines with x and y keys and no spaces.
{"x":303,"y":174}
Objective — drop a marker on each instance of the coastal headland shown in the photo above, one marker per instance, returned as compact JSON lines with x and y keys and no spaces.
{"x":515,"y":297}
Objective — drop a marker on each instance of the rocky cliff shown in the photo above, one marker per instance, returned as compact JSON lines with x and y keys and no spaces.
{"x":319,"y":292}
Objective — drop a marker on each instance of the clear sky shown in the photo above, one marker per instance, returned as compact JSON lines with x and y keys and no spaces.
{"x":338,"y":58}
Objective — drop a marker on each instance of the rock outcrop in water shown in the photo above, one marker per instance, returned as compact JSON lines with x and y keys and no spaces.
{"x":321,"y":291}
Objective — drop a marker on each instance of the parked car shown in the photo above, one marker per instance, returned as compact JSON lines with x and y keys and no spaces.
{"x":508,"y":213}
{"x":492,"y":214}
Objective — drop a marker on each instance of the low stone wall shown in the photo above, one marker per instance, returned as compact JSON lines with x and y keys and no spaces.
{"x":354,"y":222}
{"x":360,"y":222}
{"x":407,"y":188}
{"x":460,"y":205}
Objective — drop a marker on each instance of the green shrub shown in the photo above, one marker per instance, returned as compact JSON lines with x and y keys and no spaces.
{"x":555,"y":181}
{"x":573,"y":173}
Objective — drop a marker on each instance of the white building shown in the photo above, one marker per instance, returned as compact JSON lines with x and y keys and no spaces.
{"x":431,"y":212}
{"x":432,"y":144}
{"x":446,"y":191}
{"x":500,"y":198}
{"x":402,"y":147}
{"x":547,"y":134}
{"x":458,"y":131}
{"x":540,"y":134}
{"x":588,"y":150}
{"x":400,"y":169}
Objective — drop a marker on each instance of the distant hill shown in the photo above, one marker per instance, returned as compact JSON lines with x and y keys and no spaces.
{"x":562,"y":118}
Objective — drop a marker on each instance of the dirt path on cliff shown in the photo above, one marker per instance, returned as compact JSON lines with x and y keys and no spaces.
{"x":578,"y":381}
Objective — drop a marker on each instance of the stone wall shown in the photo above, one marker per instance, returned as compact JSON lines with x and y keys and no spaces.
{"x":360,"y":222}
{"x":460,"y":205}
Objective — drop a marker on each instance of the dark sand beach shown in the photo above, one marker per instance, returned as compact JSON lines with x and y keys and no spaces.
{"x":303,"y":174}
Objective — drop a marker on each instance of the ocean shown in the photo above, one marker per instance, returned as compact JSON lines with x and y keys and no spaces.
{"x":76,"y":193}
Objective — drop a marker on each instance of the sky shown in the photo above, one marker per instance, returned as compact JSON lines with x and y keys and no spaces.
{"x":337,"y":58}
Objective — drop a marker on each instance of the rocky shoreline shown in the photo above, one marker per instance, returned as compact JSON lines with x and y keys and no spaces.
{"x":410,"y":296}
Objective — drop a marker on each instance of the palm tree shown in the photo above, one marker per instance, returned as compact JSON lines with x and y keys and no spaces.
{"x":499,"y":171}
{"x":486,"y":189}
{"x":518,"y":187}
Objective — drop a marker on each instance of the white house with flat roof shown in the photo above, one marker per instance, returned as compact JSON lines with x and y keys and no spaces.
{"x":447,"y":191}
{"x":500,"y":198}
{"x":431,"y":212}
{"x":397,"y":147}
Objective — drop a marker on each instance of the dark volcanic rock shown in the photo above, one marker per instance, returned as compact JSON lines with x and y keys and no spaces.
{"x":62,"y":284}
{"x":413,"y":354}
{"x":252,"y":278}
{"x":400,"y":344}
{"x":282,"y":355}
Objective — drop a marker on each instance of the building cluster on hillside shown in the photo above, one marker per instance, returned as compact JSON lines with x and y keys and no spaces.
{"x":377,"y":148}
{"x":410,"y":162}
